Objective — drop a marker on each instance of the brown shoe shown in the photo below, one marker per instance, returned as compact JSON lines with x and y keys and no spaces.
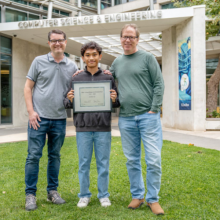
{"x":156,"y":208}
{"x":136,"y":203}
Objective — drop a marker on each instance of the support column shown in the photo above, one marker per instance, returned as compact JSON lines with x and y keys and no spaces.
{"x":151,"y":4}
{"x":79,"y":6}
{"x":81,"y":64}
{"x":194,"y":119}
{"x":112,"y":3}
{"x":98,"y":7}
{"x":50,"y":10}
{"x":170,"y":75}
{"x":41,"y":8}
{"x":199,"y":68}
{"x":3,"y":20}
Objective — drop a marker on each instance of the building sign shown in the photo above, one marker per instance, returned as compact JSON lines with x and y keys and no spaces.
{"x":95,"y":19}
{"x":184,"y":53}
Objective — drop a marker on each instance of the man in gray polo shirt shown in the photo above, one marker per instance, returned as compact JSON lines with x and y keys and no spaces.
{"x":49,"y":77}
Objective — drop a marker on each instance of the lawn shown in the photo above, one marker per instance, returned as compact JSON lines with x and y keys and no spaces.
{"x":190,"y":184}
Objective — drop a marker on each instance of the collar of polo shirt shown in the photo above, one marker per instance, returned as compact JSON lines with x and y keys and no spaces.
{"x":51,"y":58}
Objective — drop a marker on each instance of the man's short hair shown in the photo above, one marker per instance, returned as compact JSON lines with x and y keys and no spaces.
{"x":134,"y":26}
{"x":56,"y":32}
{"x":90,"y":45}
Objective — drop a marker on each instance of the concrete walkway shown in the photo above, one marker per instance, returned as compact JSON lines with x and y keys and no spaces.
{"x":207,"y":139}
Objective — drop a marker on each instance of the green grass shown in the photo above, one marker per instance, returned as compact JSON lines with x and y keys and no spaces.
{"x":190,"y":186}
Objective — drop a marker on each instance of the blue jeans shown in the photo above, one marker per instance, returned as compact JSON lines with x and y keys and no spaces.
{"x":56,"y":130}
{"x":145,"y":127}
{"x":102,"y":148}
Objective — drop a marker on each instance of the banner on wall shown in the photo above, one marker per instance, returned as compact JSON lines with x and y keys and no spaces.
{"x":184,"y":60}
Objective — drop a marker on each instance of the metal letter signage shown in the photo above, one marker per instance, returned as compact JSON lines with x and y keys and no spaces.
{"x":95,"y":19}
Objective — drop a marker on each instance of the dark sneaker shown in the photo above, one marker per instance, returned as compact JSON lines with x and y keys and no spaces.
{"x":54,"y":197}
{"x":30,"y":204}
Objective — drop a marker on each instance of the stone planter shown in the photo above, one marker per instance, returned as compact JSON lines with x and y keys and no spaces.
{"x":212,"y":124}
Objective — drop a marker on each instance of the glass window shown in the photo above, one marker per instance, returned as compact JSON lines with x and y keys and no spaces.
{"x":118,"y":2}
{"x":64,"y":13}
{"x":12,"y":15}
{"x":211,"y":65}
{"x":34,"y":5}
{"x":106,"y":1}
{"x":90,"y":3}
{"x":33,"y":17}
{"x":56,"y":11}
{"x":45,"y":8}
{"x":168,"y":6}
{"x":66,"y":0}
{"x":105,"y":4}
{"x":20,"y":1}
{"x":5,"y":81}
{"x":5,"y":45}
{"x":66,"y":54}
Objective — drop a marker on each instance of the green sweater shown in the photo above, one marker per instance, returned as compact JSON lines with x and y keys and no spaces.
{"x":140,"y":83}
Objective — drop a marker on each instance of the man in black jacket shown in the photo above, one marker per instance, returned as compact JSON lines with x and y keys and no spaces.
{"x":93,"y":127}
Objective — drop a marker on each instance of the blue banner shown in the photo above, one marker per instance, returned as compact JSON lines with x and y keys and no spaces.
{"x":184,"y":58}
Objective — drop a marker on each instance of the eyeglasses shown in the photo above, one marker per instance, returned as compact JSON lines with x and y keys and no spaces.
{"x":60,"y":41}
{"x":131,"y":38}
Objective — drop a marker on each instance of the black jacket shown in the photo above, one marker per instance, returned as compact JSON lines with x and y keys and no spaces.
{"x":92,"y":121}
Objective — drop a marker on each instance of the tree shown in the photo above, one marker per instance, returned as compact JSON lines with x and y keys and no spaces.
{"x":212,"y":29}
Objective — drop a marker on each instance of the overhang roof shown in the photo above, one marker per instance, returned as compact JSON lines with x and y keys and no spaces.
{"x":111,"y":43}
{"x":104,"y":29}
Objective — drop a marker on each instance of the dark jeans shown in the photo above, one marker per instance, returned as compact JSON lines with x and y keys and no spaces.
{"x":56,"y":130}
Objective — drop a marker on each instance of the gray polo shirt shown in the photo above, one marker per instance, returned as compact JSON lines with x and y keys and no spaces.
{"x":52,"y":81}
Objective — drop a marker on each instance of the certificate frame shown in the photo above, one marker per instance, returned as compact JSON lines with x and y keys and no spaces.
{"x":92,"y":96}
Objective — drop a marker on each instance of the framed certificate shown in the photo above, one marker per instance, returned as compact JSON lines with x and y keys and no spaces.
{"x":92,"y":96}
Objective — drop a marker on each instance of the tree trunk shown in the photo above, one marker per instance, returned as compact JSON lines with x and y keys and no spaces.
{"x":213,"y":85}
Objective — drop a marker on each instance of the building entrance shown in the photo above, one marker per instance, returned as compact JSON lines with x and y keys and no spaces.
{"x":179,"y":27}
{"x":6,"y":80}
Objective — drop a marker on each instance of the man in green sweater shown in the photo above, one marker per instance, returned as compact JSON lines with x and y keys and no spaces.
{"x":141,"y":87}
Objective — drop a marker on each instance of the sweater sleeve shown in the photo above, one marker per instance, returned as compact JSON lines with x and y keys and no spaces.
{"x":112,"y":69}
{"x":115,"y":104}
{"x":158,"y":83}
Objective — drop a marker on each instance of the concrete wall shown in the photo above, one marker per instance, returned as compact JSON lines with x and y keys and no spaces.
{"x":23,"y":53}
{"x":173,"y":117}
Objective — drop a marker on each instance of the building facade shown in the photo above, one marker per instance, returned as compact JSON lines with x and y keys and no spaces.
{"x":17,"y":51}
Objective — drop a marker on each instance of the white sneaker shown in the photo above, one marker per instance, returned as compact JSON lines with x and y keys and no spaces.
{"x":83,"y":202}
{"x":105,"y":202}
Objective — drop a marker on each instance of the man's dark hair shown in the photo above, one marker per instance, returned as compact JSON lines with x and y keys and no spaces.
{"x":56,"y":32}
{"x":90,"y":45}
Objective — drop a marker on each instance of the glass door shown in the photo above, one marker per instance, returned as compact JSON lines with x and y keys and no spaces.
{"x":5,"y":80}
